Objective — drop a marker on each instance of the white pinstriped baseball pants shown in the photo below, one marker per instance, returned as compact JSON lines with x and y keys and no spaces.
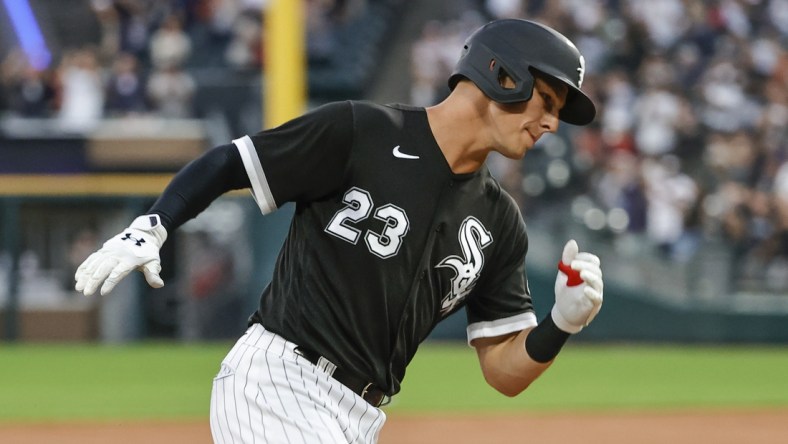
{"x":266,"y":393}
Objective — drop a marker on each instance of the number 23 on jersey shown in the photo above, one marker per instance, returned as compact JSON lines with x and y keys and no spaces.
{"x":358,"y":206}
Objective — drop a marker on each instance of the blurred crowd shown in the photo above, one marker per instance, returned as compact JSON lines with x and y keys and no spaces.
{"x":144,"y":60}
{"x":137,"y":67}
{"x":690,"y":143}
{"x":154,"y":60}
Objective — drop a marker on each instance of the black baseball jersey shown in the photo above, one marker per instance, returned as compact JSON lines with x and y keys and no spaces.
{"x":386,"y":241}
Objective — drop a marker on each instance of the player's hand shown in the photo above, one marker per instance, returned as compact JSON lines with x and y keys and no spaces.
{"x":136,"y":247}
{"x":578,"y":289}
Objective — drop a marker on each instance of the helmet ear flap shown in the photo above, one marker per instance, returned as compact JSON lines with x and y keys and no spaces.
{"x":511,"y":82}
{"x":505,"y":80}
{"x":486,"y":69}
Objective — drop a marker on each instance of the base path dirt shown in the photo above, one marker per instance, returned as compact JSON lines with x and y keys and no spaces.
{"x":728,"y":427}
{"x":723,"y":427}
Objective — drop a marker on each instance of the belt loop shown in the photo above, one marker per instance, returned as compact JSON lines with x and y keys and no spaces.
{"x":365,"y":390}
{"x":327,"y":366}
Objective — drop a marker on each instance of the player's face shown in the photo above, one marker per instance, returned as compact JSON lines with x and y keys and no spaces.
{"x":518,"y":126}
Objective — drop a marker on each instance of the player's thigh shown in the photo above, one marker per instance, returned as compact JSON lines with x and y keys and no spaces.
{"x":263,"y":394}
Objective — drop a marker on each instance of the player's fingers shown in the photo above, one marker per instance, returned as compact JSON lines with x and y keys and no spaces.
{"x":595,"y":298}
{"x":119,"y":272}
{"x":103,"y":269}
{"x":570,"y":251}
{"x":151,"y":271}
{"x":588,"y":257}
{"x":84,"y":271}
{"x":589,"y":273}
{"x":589,"y":267}
{"x":593,"y":295}
{"x":593,"y":280}
{"x":594,"y":312}
{"x":86,"y":263}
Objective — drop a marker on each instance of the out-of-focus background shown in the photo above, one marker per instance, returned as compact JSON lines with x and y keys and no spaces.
{"x":680,"y":185}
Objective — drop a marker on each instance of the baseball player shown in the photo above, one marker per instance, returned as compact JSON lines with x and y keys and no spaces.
{"x":398,"y":224}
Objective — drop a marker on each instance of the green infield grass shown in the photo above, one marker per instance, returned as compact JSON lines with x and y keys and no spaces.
{"x":173,"y":381}
{"x":590,"y":377}
{"x":88,"y":382}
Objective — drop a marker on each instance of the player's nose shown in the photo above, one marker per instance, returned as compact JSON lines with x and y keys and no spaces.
{"x":549,"y":122}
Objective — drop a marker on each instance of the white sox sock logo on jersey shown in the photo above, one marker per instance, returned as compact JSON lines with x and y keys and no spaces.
{"x":473,"y":237}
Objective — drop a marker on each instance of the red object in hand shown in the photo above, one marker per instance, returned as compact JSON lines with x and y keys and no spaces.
{"x":572,"y":275}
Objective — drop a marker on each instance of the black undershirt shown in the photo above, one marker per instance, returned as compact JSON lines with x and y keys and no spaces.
{"x":198,"y":184}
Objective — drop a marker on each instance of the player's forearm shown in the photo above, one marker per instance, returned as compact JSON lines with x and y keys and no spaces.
{"x":507,"y":367}
{"x":198,"y":184}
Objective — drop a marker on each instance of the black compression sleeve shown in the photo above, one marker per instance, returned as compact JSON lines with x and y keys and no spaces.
{"x":545,"y":340}
{"x":199,"y":183}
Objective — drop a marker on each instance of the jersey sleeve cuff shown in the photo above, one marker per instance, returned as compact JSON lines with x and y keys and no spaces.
{"x":261,"y":191}
{"x":498,"y":327}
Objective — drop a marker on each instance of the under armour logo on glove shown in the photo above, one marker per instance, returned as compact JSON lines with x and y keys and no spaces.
{"x":117,"y":258}
{"x":138,"y":242}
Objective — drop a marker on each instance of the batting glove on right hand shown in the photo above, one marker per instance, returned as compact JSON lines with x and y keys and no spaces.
{"x":578,"y":289}
{"x":136,"y":247}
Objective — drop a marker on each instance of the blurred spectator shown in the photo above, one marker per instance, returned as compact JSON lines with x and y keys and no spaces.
{"x":81,"y":90}
{"x":657,"y":113}
{"x":618,"y":119}
{"x":28,"y":91}
{"x":109,"y":27}
{"x":778,"y":15}
{"x":434,"y":54}
{"x":621,"y":185}
{"x":209,"y":286}
{"x":125,"y":25}
{"x":245,"y":47}
{"x":219,"y":16}
{"x":170,"y":46}
{"x":665,"y":20}
{"x":125,"y":87}
{"x":505,"y":8}
{"x":427,"y":68}
{"x":670,"y":196}
{"x":171,"y":92}
{"x":320,"y":35}
{"x":725,"y":105}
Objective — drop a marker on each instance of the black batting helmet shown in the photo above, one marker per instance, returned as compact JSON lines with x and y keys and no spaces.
{"x":516,"y":46}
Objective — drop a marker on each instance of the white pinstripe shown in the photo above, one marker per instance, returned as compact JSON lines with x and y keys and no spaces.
{"x":267,"y":393}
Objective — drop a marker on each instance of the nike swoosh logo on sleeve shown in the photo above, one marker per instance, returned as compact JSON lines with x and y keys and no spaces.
{"x":401,"y":155}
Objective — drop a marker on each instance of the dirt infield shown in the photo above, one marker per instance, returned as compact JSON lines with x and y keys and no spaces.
{"x":763,"y":427}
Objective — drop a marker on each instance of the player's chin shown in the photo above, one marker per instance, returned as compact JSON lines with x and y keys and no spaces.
{"x":528,"y":141}
{"x":515,"y":154}
{"x":517,"y":149}
{"x":521,"y":150}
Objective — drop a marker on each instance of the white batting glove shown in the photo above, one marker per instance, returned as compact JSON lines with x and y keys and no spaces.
{"x":578,"y":289}
{"x":136,"y":247}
